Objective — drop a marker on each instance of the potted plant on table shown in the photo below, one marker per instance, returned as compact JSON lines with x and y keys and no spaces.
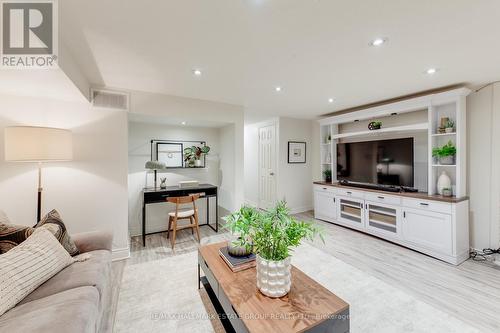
{"x":272,"y":235}
{"x":445,"y":154}
{"x":193,"y":154}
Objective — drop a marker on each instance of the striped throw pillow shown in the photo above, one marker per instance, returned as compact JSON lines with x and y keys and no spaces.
{"x":28,"y":265}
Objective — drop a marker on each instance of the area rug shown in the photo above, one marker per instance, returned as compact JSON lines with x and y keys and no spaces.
{"x":162,"y":296}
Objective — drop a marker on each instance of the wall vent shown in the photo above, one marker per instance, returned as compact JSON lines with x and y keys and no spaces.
{"x":110,"y":99}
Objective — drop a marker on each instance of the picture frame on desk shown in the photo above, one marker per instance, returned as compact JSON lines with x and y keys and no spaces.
{"x":296,"y":152}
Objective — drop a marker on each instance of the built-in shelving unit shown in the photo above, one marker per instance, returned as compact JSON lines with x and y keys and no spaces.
{"x":448,"y":104}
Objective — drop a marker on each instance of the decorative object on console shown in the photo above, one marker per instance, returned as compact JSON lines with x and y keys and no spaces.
{"x":236,"y":250}
{"x":445,"y":154}
{"x":189,"y":183}
{"x":447,"y":192}
{"x":193,"y":155}
{"x":38,"y":144}
{"x":155,"y":166}
{"x":163,"y":183}
{"x":449,"y":127}
{"x":328,"y":175}
{"x":296,"y":152}
{"x":444,"y":182}
{"x":375,"y":125}
{"x":442,"y":126}
{"x":272,"y":234}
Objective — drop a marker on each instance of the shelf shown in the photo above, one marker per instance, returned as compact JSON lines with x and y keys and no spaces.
{"x":445,"y":165}
{"x":406,"y":128}
{"x":382,"y":212}
{"x":326,"y":144}
{"x":351,"y":215}
{"x":444,"y":134}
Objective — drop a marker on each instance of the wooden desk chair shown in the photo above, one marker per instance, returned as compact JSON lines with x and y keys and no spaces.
{"x":191,"y":214}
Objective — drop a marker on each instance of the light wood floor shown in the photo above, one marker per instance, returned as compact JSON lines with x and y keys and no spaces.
{"x":470,"y":291}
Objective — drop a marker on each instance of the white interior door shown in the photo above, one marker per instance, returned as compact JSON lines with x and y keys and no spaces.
{"x":267,"y":166}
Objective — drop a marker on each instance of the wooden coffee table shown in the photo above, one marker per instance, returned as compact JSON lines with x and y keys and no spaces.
{"x":308,"y":307}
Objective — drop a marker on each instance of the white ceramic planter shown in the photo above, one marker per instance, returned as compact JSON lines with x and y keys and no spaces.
{"x":447,"y":160}
{"x":197,"y":163}
{"x":273,"y":277}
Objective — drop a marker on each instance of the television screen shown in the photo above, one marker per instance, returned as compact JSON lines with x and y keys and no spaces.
{"x":384,"y":162}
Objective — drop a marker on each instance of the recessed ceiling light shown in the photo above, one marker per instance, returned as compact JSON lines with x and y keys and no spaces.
{"x":278,"y":89}
{"x":197,"y":72}
{"x":331,"y":100}
{"x":378,"y":41}
{"x":183,"y":123}
{"x":431,"y":71}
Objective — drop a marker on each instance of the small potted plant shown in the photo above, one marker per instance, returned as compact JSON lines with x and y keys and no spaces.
{"x":375,"y":125}
{"x":193,"y":154}
{"x":328,"y":175}
{"x":445,"y":154}
{"x":272,"y":234}
{"x":449,"y":127}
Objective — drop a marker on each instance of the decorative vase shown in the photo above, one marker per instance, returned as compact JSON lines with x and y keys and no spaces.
{"x":447,"y":192}
{"x":444,"y":182}
{"x":197,"y":163}
{"x":449,"y":130}
{"x":274,"y":277}
{"x":446,"y":160}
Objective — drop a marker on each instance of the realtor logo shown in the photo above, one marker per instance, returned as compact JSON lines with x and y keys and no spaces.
{"x":29,"y":34}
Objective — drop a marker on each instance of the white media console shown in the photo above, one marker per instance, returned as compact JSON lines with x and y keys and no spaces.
{"x":424,"y":221}
{"x":421,"y":222}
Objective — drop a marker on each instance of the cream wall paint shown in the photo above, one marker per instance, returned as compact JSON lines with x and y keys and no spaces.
{"x":483,"y":133}
{"x":179,"y":109}
{"x":294,"y":181}
{"x":139,"y":137}
{"x":90,"y":192}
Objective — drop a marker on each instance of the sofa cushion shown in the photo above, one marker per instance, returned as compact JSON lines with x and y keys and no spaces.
{"x":28,"y":265}
{"x":55,"y":224}
{"x":74,"y":310}
{"x":95,"y":271}
{"x":12,"y":235}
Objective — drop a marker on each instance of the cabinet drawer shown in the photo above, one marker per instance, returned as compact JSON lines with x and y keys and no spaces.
{"x":350,"y":193}
{"x":209,"y":275}
{"x":324,"y":188}
{"x":383,"y":198}
{"x":428,"y":205}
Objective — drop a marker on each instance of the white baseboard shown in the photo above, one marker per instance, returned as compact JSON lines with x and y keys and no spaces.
{"x":120,"y":254}
{"x":301,"y":209}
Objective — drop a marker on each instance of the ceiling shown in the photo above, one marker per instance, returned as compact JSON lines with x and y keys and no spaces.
{"x":314,"y":49}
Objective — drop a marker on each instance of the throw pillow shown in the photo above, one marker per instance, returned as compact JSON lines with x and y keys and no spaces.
{"x":54,"y":223}
{"x":11,"y":235}
{"x":28,"y":265}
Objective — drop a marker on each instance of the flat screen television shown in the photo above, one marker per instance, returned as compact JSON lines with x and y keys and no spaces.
{"x":383,"y":162}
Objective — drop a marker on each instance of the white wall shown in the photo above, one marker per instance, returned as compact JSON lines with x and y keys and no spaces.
{"x":483,"y":183}
{"x":294,"y":181}
{"x":90,"y":192}
{"x":199,"y":112}
{"x":140,"y":135}
{"x":227,"y":173}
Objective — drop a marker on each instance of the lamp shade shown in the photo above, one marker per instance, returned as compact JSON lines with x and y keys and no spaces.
{"x":37,"y":144}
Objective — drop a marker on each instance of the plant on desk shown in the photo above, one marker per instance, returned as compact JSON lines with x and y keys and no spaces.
{"x":193,"y":154}
{"x":272,"y":235}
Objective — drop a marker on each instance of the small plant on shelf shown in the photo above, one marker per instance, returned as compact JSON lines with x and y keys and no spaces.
{"x":445,"y":154}
{"x":449,"y":127}
{"x":192,"y":155}
{"x":328,"y":175}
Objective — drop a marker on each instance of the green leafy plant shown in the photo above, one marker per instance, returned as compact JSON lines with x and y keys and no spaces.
{"x":449,"y":124}
{"x":272,"y":233}
{"x":328,"y":174}
{"x":377,"y":123}
{"x":193,"y":153}
{"x":448,"y":149}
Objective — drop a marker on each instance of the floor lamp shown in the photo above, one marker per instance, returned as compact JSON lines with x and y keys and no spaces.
{"x":38,"y":144}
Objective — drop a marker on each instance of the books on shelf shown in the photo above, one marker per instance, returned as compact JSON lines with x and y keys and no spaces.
{"x":237,"y":264}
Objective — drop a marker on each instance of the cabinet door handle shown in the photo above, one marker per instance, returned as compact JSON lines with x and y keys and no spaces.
{"x":404,"y":214}
{"x":324,"y":188}
{"x":349,"y":193}
{"x":424,"y":204}
{"x":333,"y":200}
{"x":381,"y":198}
